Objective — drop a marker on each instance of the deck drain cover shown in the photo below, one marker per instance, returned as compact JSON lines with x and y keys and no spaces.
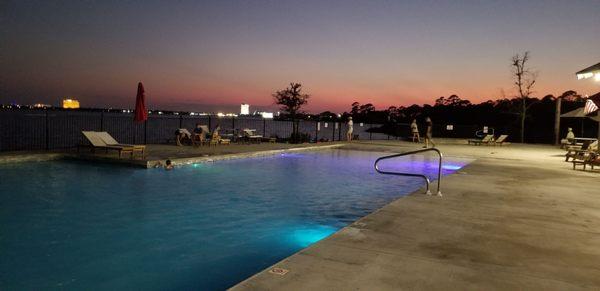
{"x":279,"y":271}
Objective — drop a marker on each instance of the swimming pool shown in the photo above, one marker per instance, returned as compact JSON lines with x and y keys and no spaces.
{"x":78,"y":226}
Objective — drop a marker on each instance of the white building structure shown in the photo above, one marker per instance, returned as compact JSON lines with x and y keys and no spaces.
{"x":245,"y":109}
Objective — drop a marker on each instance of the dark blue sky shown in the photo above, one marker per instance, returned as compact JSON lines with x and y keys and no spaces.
{"x":189,"y":53}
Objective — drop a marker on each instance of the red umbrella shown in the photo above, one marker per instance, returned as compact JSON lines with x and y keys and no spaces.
{"x":141,"y":114}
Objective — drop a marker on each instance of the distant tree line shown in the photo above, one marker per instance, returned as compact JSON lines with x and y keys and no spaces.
{"x":504,"y":115}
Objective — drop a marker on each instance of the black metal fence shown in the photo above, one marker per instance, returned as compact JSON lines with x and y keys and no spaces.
{"x":56,"y":129}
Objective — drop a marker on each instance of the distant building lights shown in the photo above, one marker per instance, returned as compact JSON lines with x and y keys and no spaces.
{"x":220,"y":114}
{"x":267,"y":114}
{"x":597,"y":77}
{"x":70,"y":103}
{"x":40,"y":105}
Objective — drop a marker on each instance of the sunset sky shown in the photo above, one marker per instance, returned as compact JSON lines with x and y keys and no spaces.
{"x":201,"y":55}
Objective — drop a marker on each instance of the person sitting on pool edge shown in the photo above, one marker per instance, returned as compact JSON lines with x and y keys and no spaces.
{"x":168,"y":165}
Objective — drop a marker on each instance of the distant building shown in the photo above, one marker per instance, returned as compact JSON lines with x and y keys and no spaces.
{"x":245,"y":109}
{"x":70,"y":104}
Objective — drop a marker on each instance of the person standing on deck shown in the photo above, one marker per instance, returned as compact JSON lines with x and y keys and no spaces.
{"x":350,"y":129}
{"x":428,"y":133}
{"x":415,"y":131}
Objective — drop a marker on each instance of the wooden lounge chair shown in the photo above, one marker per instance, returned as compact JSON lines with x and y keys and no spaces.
{"x":251,"y":136}
{"x":97,"y":143}
{"x":110,"y":141}
{"x":501,"y":139}
{"x":581,"y":153}
{"x":592,"y":159}
{"x":485,"y":140}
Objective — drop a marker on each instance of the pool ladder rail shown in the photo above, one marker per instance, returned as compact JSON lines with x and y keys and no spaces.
{"x":439,"y":180}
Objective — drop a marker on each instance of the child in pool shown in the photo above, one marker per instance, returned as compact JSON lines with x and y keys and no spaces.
{"x":168,"y":165}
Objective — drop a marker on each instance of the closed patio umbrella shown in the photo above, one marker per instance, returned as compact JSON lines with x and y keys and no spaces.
{"x":140,"y":113}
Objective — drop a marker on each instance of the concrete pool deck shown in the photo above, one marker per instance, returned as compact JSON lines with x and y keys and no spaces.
{"x":518,"y":217}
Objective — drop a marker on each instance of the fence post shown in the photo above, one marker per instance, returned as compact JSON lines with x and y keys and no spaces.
{"x":180,"y":120}
{"x":102,"y":120}
{"x":370,"y":133}
{"x":209,"y":128}
{"x":264,"y":127}
{"x":145,"y":131}
{"x":47,"y":132}
{"x":333,"y":131}
{"x":233,"y":122}
{"x":340,"y":131}
{"x":316,"y":131}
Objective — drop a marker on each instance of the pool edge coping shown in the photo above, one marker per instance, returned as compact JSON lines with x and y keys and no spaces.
{"x":148,"y":164}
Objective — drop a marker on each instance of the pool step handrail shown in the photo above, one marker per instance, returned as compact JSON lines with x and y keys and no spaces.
{"x":428,"y":192}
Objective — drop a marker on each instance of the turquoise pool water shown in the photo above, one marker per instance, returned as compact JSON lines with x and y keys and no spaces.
{"x":77,"y":226}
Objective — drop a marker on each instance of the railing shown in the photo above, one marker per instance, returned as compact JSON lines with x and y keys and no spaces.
{"x":37,"y":129}
{"x":428,"y":192}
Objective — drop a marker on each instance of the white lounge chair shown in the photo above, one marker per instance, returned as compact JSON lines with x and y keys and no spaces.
{"x":501,"y":139}
{"x":251,"y":135}
{"x":110,"y":141}
{"x":97,"y":143}
{"x":485,"y":140}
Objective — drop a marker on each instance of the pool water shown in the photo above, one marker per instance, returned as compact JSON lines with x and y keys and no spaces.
{"x":79,"y":226}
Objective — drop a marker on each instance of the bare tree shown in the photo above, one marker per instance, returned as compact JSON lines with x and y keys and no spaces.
{"x":524,"y":81}
{"x":291,"y":100}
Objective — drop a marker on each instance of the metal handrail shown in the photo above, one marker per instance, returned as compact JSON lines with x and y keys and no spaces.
{"x":439,"y":192}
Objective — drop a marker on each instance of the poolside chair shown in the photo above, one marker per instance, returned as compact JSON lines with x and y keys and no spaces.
{"x":109,"y":140}
{"x":97,"y":143}
{"x":501,"y":139}
{"x":216,"y":139}
{"x":592,"y":159}
{"x":581,"y":153}
{"x":485,"y":140}
{"x":251,"y":136}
